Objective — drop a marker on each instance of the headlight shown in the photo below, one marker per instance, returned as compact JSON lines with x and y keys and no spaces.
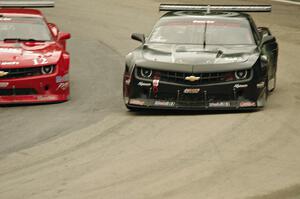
{"x":242,"y":74}
{"x":45,"y":70}
{"x":146,"y":73}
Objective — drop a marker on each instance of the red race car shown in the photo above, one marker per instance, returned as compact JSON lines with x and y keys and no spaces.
{"x":34,"y":63}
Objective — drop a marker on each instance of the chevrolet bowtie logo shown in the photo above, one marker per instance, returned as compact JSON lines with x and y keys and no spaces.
{"x":192,"y":78}
{"x":3,"y":73}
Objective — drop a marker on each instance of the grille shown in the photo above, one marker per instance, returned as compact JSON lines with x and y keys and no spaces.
{"x":17,"y":91}
{"x":205,"y":78}
{"x":214,"y":97}
{"x":196,"y":97}
{"x":21,"y":72}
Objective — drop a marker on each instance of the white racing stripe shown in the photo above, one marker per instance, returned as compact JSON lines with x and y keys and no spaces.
{"x":287,"y":1}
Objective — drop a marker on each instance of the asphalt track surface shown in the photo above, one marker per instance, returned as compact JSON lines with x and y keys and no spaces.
{"x":92,"y":147}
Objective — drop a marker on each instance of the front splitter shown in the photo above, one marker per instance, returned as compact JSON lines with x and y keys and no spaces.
{"x":195,"y":105}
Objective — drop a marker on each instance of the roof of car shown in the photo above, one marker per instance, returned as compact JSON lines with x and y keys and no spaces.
{"x":21,"y":12}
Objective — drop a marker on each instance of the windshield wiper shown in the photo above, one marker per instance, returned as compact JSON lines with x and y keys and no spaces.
{"x":22,"y":40}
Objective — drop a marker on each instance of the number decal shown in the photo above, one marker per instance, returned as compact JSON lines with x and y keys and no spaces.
{"x":40,"y":60}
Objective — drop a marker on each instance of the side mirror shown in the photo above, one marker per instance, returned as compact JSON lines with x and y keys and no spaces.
{"x":267,"y":39}
{"x":62,"y":36}
{"x":264,"y":31}
{"x":54,"y":29}
{"x":138,"y":37}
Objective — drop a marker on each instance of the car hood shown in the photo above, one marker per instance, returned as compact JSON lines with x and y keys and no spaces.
{"x":28,"y":54}
{"x":196,"y":58}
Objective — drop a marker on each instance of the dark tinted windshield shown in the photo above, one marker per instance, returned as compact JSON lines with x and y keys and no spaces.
{"x":195,"y":31}
{"x":23,"y":28}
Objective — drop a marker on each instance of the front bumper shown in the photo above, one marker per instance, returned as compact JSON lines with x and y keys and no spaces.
{"x":226,"y":96}
{"x":37,"y":89}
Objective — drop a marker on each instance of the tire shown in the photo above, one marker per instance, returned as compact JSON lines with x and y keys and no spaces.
{"x":274,"y":84}
{"x":262,"y":101}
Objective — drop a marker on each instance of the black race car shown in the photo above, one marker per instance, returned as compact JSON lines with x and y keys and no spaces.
{"x":202,"y":57}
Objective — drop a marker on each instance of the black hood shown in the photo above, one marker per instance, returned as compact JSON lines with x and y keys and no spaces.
{"x":196,"y":58}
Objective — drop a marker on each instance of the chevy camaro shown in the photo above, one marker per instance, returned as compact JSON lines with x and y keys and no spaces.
{"x":34,"y":63}
{"x":200,"y":57}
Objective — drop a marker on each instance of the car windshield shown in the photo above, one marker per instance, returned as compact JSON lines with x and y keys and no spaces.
{"x":199,"y":31}
{"x":24,"y":28}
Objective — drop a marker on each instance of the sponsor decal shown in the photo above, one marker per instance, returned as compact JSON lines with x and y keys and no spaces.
{"x":144,"y":84}
{"x":10,"y":50}
{"x":3,"y":73}
{"x":234,"y":59}
{"x":5,"y":19}
{"x":191,"y":90}
{"x":46,"y":98}
{"x":260,"y":85}
{"x":136,"y":102}
{"x":192,"y":78}
{"x":61,"y":79}
{"x":164,"y":103}
{"x":63,"y":86}
{"x":9,"y":63}
{"x":247,"y":104}
{"x":155,"y":84}
{"x":241,"y":86}
{"x":219,"y":104}
{"x":3,"y":84}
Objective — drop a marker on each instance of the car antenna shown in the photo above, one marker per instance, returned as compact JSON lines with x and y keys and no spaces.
{"x":204,"y":36}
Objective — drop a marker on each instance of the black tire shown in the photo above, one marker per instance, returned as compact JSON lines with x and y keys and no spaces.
{"x":275,"y":81}
{"x":262,"y":101}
